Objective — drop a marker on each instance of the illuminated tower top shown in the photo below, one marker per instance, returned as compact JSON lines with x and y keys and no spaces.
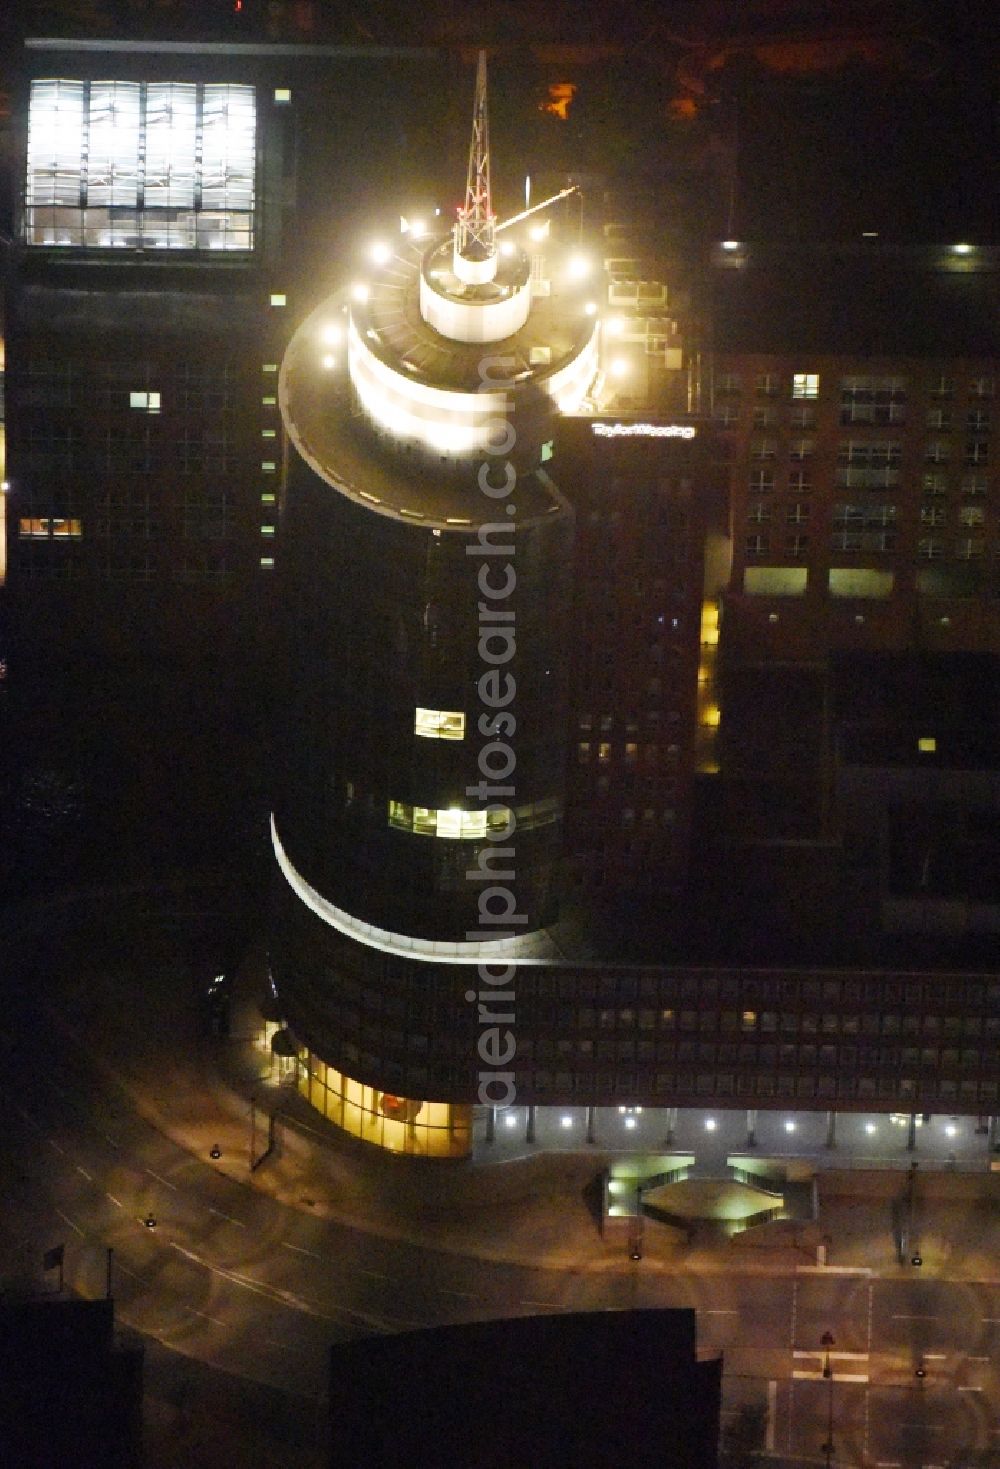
{"x":475,"y":258}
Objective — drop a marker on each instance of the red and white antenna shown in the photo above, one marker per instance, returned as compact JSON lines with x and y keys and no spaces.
{"x":475,"y":232}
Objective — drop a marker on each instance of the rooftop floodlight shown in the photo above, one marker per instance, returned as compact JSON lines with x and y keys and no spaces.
{"x":790,"y":1126}
{"x":380,"y":252}
{"x":507,"y":248}
{"x":359,"y":291}
{"x":630,"y":1122}
{"x":730,"y":244}
{"x":579,"y":267}
{"x":332,"y":334}
{"x":618,"y":367}
{"x":510,"y":1120}
{"x":614,"y":326}
{"x":329,"y":361}
{"x":870,"y":1128}
{"x":591,"y":308}
{"x":567,"y":1121}
{"x":418,"y":229}
{"x":962,"y":249}
{"x":539,"y":231}
{"x":710,"y":1124}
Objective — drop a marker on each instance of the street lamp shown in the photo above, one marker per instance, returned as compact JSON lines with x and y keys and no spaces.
{"x":826,"y":1342}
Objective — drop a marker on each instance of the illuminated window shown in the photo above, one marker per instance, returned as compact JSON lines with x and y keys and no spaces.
{"x":63,"y":528}
{"x":140,"y":165}
{"x":927,"y":745}
{"x":268,"y":466}
{"x":805,"y":385}
{"x":267,"y":530}
{"x":269,"y":367}
{"x":631,"y":754}
{"x":278,"y":298}
{"x":604,"y":752}
{"x":583,"y":753}
{"x":451,"y":823}
{"x":269,"y":402}
{"x":267,"y":563}
{"x":439,"y":724}
{"x":971,"y":515}
{"x":282,"y":94}
{"x":148,"y":402}
{"x":268,"y":433}
{"x":267,"y":498}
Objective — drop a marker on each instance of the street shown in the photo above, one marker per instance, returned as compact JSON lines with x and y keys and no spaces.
{"x":237,"y":1280}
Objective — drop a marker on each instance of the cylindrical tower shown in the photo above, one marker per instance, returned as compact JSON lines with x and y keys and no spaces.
{"x":425,"y":564}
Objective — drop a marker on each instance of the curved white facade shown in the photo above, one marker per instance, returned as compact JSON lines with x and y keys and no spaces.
{"x":474,"y":321}
{"x":441,"y":419}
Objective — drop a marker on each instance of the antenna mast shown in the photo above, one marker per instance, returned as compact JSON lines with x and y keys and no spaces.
{"x":475,"y":232}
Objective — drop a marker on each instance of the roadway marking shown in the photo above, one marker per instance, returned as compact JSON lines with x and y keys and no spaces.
{"x":125,"y":1270}
{"x":978,"y":1359}
{"x":772,"y":1413}
{"x":550,"y":1305}
{"x":300,"y":1251}
{"x":287,"y":1298}
{"x":117,"y":1202}
{"x":847,"y":1356}
{"x":897,"y":1317}
{"x":88,"y":1176}
{"x":373,"y":1274}
{"x":30,"y":1120}
{"x":970,"y":1389}
{"x":113,"y":1141}
{"x":991,"y":1320}
{"x":53,"y":1144}
{"x":465,"y":1295}
{"x":834,"y":1376}
{"x":718,"y":1311}
{"x":219,"y":1213}
{"x":205,"y":1317}
{"x":160,"y":1179}
{"x":67,"y":1220}
{"x":833,"y":1270}
{"x":935,"y":1356}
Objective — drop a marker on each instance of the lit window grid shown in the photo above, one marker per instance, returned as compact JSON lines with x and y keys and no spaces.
{"x":141,"y":165}
{"x":439,"y":724}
